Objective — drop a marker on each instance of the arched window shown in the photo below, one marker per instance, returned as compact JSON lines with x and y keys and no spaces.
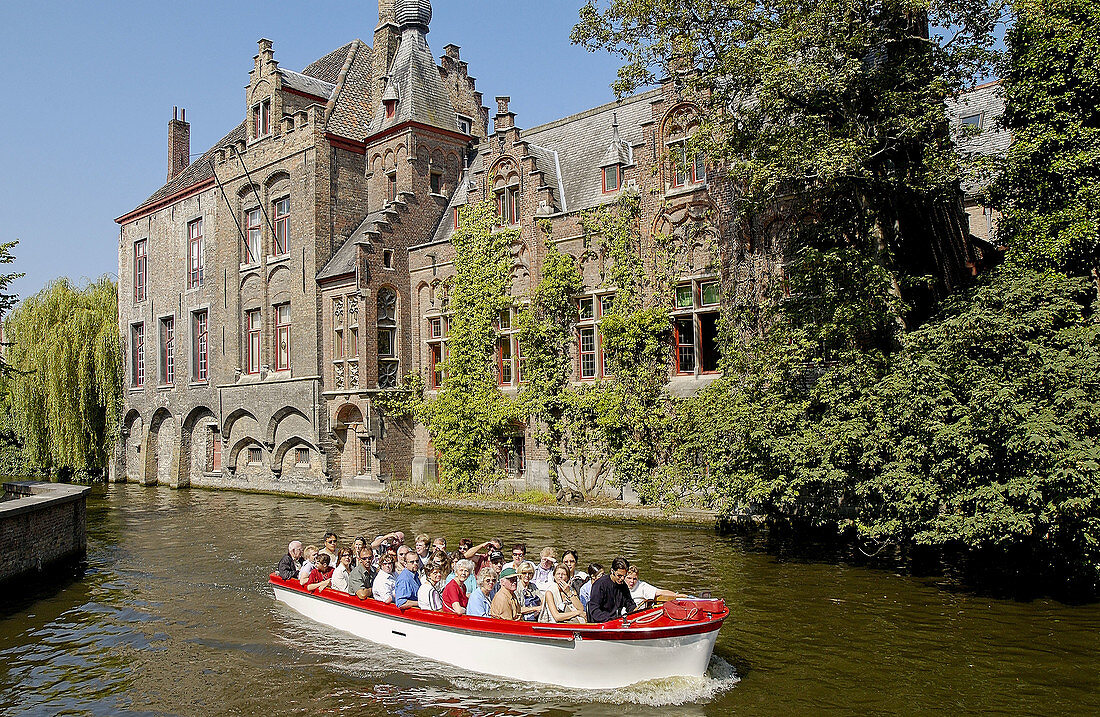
{"x":388,"y":363}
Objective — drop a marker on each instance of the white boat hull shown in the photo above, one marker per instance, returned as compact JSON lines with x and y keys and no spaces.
{"x":559,"y":659}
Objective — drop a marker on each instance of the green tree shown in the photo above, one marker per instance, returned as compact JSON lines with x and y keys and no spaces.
{"x":1049,"y":189}
{"x":66,"y":375}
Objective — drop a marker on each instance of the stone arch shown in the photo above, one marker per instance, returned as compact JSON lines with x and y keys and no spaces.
{"x":260,"y":91}
{"x":197,"y":449}
{"x":163,"y":452}
{"x":239,"y":445}
{"x":285,"y":446}
{"x":389,"y":161}
{"x":348,"y":414}
{"x":133,"y":433}
{"x":679,"y":121}
{"x":504,"y":172}
{"x":282,"y":273}
{"x":279,"y":419}
{"x":275,"y":178}
{"x":234,"y":416}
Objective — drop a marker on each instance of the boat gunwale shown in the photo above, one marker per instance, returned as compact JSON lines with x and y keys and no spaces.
{"x":488,"y":627}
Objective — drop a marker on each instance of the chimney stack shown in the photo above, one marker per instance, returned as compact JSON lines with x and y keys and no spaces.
{"x":179,"y":144}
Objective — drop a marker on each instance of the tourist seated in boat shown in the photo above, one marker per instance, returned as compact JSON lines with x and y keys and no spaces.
{"x":480,"y":598}
{"x":423,"y":547}
{"x":610,"y":596}
{"x":329,"y":547}
{"x":356,"y":548}
{"x":473,"y":552}
{"x":321,"y":575}
{"x":342,"y":572}
{"x":439,"y":544}
{"x":519,"y":555}
{"x":439,"y":558}
{"x":595,"y":572}
{"x":454,"y":590}
{"x":544,"y":571}
{"x":379,"y":544}
{"x":470,"y":581}
{"x":430,"y":595}
{"x":643,"y":593}
{"x":570,"y":559}
{"x":506,"y":604}
{"x":402,"y":551}
{"x":362,"y":575}
{"x":529,"y":596}
{"x":561,"y":602}
{"x":309,"y":556}
{"x":291,"y":564}
{"x":384,"y":583}
{"x":407,"y":583}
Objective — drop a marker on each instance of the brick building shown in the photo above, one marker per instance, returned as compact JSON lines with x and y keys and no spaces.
{"x":271,"y":288}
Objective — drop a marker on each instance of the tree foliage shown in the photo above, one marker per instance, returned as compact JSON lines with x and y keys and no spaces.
{"x":66,"y":375}
{"x":1050,"y":186}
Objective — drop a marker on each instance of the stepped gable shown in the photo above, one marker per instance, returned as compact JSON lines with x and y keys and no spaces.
{"x":343,"y":261}
{"x":547,"y":162}
{"x":199,"y":170}
{"x":351,"y":113}
{"x":318,"y":79}
{"x":459,"y":198}
{"x":414,"y":79}
{"x":581,"y":142}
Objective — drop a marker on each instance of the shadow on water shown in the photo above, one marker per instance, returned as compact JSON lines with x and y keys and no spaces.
{"x":1021,"y":576}
{"x":20,"y":592}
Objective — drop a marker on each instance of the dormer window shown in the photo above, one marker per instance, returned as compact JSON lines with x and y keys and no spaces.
{"x":973,"y":120}
{"x":261,"y":119}
{"x":391,"y":108}
{"x":465,"y":125}
{"x":612,"y":179}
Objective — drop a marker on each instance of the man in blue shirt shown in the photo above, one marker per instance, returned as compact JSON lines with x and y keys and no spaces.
{"x":480,"y":599}
{"x":408,"y":583}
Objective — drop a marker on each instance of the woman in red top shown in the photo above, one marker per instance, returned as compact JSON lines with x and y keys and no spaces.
{"x":321,"y":576}
{"x":454,"y":594}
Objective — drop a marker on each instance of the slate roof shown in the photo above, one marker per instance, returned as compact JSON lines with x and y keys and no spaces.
{"x":307,"y":84}
{"x":991,"y":140}
{"x":581,"y":142}
{"x":420,"y":91}
{"x":198,"y":171}
{"x":343,"y":261}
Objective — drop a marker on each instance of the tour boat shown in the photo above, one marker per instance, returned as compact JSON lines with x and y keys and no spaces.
{"x":669,"y":640}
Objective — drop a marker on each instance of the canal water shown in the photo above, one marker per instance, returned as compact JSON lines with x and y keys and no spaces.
{"x":171,"y":615}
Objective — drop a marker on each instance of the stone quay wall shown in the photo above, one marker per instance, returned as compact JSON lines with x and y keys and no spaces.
{"x":40,"y":523}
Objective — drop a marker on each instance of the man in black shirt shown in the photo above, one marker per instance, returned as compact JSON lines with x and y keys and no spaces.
{"x":610,"y":594}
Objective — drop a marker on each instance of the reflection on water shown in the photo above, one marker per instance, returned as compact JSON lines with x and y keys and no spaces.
{"x":171,"y":615}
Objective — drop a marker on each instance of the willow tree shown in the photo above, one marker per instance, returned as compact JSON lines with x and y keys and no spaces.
{"x":66,"y":375}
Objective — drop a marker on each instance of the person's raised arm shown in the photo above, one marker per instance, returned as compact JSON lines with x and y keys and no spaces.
{"x":474,"y":550}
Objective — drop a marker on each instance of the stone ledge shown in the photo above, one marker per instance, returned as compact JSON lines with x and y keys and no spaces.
{"x":34,"y":495}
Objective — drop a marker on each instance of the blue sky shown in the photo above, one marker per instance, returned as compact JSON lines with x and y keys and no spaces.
{"x":91,"y":86}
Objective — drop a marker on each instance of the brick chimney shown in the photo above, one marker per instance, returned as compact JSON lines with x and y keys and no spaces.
{"x":179,"y":144}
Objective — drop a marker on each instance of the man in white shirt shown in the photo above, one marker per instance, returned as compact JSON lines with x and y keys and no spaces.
{"x":642,"y":592}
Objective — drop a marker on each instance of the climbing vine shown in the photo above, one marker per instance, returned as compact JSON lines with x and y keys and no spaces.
{"x":469,"y":414}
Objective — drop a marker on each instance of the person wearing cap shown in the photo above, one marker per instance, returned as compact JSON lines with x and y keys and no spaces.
{"x":544,"y":571}
{"x":506,"y":605}
{"x":479,"y":603}
{"x":291,"y":564}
